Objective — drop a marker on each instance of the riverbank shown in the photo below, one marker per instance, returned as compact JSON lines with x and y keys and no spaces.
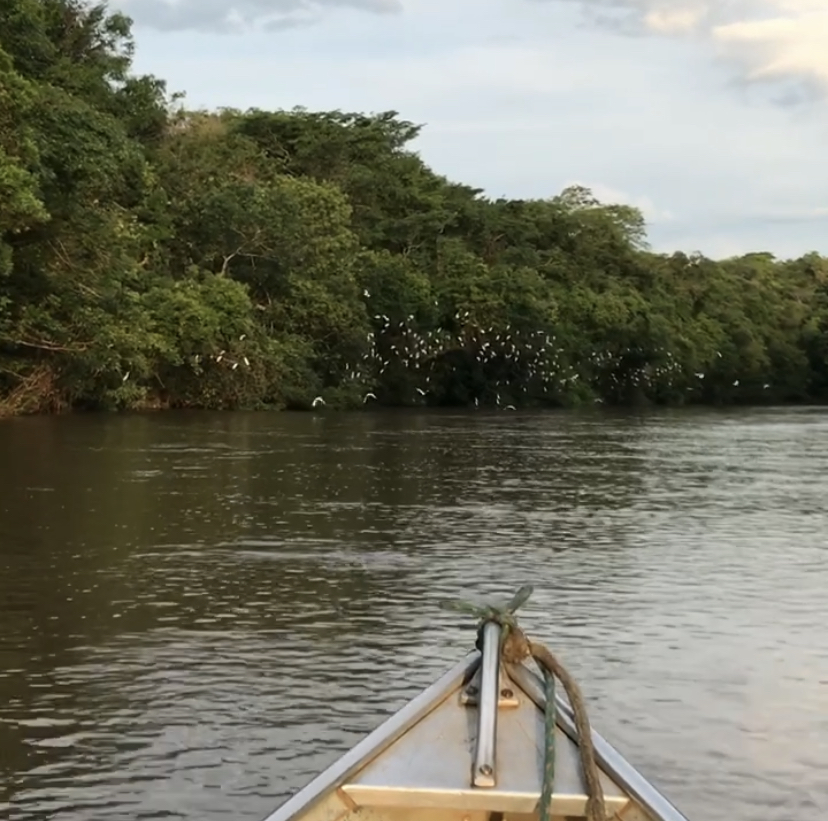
{"x":156,"y":256}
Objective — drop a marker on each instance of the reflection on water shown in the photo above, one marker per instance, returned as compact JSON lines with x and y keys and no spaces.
{"x":201,"y":611}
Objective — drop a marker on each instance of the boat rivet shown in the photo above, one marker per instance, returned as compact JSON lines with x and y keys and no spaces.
{"x":485,"y":770}
{"x":506,"y":693}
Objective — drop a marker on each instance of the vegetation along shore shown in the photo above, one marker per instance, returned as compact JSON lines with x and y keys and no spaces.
{"x":154,"y":257}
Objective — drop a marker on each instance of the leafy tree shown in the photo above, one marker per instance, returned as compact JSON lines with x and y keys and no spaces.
{"x":152,"y":256}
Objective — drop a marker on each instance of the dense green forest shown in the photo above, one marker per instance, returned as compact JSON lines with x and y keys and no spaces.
{"x":154,"y":257}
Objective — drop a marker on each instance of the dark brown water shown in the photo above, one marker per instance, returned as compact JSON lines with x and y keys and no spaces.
{"x":198,"y":612}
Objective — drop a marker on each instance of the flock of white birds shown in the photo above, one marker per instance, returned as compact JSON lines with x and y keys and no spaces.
{"x":518,"y":362}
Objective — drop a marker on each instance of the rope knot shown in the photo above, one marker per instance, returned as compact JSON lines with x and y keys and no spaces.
{"x":516,"y":647}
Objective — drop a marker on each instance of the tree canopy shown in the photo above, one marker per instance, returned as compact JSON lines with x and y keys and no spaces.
{"x":152,"y":256}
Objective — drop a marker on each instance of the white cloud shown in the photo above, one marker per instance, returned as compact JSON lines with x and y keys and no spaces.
{"x":766,"y":39}
{"x":681,"y":20}
{"x":239,"y":15}
{"x":787,"y":46}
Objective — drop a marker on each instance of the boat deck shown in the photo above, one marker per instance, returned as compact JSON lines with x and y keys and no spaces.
{"x":430,"y":766}
{"x":418,"y":765}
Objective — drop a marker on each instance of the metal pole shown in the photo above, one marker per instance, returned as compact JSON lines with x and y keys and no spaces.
{"x":484,"y":774}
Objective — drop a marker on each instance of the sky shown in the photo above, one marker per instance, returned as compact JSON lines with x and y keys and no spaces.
{"x":711,"y":116}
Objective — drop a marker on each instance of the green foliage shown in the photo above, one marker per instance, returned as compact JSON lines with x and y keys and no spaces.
{"x":160,"y":258}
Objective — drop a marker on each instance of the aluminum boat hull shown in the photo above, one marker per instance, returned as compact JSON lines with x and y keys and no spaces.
{"x":418,"y":765}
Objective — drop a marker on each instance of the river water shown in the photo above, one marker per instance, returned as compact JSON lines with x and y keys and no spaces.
{"x":200,"y":611}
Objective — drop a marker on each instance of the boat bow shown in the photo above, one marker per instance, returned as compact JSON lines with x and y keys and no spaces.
{"x":471,"y":748}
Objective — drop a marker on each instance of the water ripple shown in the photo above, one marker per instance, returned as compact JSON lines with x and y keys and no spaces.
{"x":205,"y":610}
